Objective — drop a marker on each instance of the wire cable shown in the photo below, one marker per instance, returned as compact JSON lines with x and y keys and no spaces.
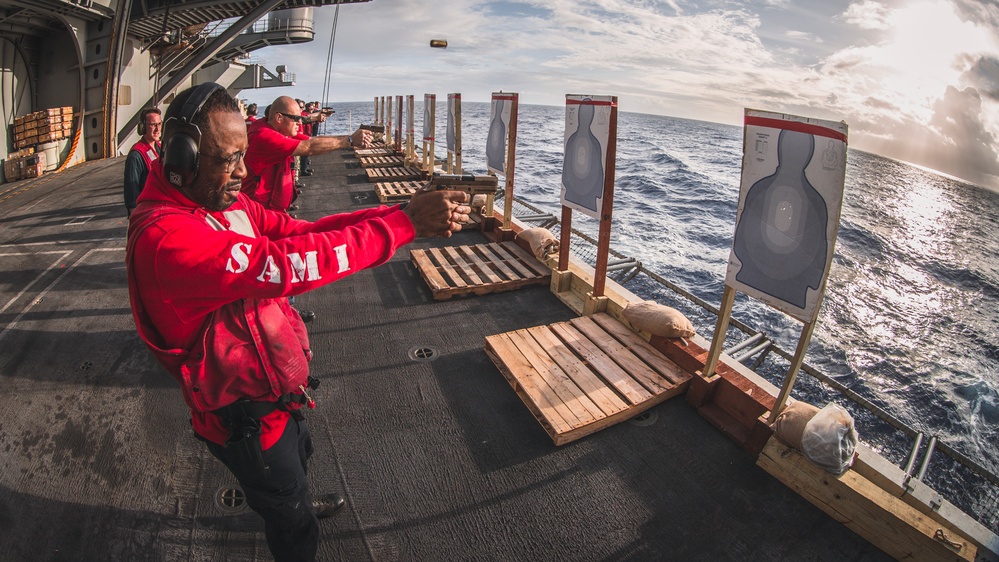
{"x":329,"y":61}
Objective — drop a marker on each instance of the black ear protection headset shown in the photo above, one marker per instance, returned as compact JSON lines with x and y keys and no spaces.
{"x":182,"y":138}
{"x":142,"y":118}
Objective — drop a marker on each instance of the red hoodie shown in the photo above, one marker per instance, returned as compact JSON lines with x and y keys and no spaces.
{"x":209,"y":292}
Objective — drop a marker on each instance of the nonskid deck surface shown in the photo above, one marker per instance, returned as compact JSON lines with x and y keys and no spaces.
{"x":439,"y":459}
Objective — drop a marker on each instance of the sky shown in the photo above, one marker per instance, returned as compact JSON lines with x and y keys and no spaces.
{"x":915,"y":80}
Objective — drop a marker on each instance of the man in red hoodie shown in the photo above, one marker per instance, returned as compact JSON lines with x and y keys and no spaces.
{"x":209,"y":273}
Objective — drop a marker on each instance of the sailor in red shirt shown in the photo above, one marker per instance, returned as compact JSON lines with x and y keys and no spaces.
{"x":251,"y":113}
{"x":275,"y":142}
{"x":209,"y":273}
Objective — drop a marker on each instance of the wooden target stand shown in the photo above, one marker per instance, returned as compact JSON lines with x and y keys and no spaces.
{"x":505,"y":232}
{"x":595,"y":300}
{"x":592,"y":372}
{"x":482,"y":268}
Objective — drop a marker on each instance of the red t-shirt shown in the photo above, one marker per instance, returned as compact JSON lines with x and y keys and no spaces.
{"x":307,"y":128}
{"x":268,"y":160}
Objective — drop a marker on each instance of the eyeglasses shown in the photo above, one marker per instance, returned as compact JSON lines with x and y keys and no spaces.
{"x":230,"y":162}
{"x":295,"y":118}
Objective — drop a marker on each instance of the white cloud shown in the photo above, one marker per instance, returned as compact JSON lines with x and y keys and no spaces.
{"x":868,"y":14}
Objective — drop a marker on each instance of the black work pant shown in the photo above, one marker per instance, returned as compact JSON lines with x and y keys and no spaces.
{"x":282,"y":498}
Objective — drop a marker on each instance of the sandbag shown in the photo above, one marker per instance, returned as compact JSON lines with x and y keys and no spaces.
{"x":658,"y":319}
{"x":790,"y":424}
{"x":830,"y":439}
{"x":478,"y":202}
{"x":540,"y":240}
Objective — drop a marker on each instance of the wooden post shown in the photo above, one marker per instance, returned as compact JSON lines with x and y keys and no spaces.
{"x":792,"y":371}
{"x":398,"y":124}
{"x":457,"y":134}
{"x":376,"y":111}
{"x":603,"y":238}
{"x":565,"y":236}
{"x":388,"y":123}
{"x":410,"y":131}
{"x":511,"y":158}
{"x":721,"y":327}
{"x":429,"y":114}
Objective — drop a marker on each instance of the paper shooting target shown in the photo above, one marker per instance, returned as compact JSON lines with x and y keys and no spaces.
{"x":499,"y":125}
{"x":789,"y":208}
{"x":429,"y":100}
{"x":587,"y":129}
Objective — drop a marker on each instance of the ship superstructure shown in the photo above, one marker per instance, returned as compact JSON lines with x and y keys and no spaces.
{"x":108,"y":59}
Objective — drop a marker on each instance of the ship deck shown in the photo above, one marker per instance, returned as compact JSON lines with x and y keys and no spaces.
{"x":438,"y":459}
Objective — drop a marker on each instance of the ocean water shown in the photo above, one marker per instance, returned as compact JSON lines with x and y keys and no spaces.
{"x":911,"y":312}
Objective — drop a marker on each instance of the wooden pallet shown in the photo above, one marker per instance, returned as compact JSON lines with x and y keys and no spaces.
{"x":395,"y":191}
{"x":581,"y":376}
{"x":382,"y":161}
{"x":478,"y":269}
{"x":399,"y":173}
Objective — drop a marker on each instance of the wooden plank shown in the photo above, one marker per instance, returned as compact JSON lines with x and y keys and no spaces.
{"x":462,"y":265}
{"x":428,"y":270}
{"x":572,"y":403}
{"x":374,"y":152}
{"x":621,"y":355}
{"x":604,"y":366}
{"x":652,"y":356}
{"x":502,"y":255}
{"x":522,"y":377}
{"x":868,"y":510}
{"x":602,"y":396}
{"x":382,"y":161}
{"x":495,"y":261}
{"x":445,"y":265}
{"x":390,"y":174}
{"x":527,"y":258}
{"x":476,"y":262}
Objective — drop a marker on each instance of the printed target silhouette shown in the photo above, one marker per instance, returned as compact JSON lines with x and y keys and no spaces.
{"x":583,"y":170}
{"x":781,"y":235}
{"x":496,"y":139}
{"x":426,"y":120}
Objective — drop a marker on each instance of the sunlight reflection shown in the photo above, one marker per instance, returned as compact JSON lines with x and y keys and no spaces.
{"x":928,"y":218}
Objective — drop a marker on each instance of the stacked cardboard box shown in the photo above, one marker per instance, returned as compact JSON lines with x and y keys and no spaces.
{"x":46,"y":125}
{"x":24,"y":164}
